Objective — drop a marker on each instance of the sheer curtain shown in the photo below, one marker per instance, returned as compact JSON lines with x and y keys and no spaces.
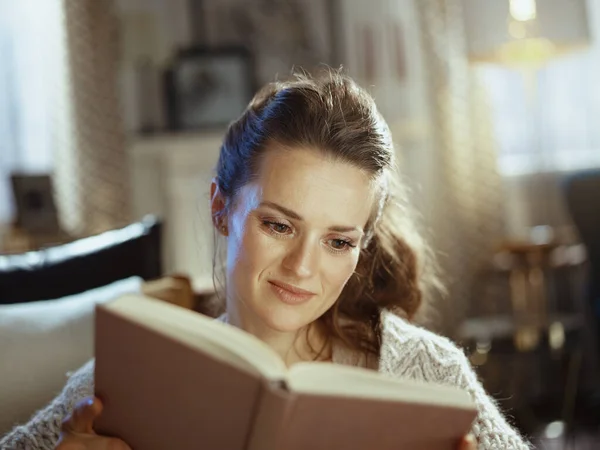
{"x":467,"y":205}
{"x":29,"y":47}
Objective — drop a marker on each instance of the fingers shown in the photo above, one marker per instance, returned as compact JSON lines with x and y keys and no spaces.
{"x":468,"y":443}
{"x":83,"y":416}
{"x":115,"y":444}
{"x":78,"y":429}
{"x":81,"y":442}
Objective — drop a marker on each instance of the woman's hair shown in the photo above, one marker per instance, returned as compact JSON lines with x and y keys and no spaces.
{"x":331,"y":114}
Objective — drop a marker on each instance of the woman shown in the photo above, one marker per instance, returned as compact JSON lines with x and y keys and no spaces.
{"x":322,"y":261}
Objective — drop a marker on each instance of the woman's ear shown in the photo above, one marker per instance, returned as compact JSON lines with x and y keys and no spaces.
{"x":217,"y":208}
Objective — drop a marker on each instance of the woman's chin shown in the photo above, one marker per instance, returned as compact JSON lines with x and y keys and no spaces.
{"x":284,"y":320}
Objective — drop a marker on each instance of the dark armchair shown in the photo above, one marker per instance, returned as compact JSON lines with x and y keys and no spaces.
{"x":582,"y":191}
{"x":84,"y":264}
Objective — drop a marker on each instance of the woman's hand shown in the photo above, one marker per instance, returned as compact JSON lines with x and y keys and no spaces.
{"x":468,"y":443}
{"x":77,"y":432}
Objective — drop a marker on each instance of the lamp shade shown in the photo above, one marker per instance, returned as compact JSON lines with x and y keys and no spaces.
{"x":494,"y":35}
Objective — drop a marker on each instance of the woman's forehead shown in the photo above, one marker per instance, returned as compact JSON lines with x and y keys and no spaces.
{"x":313,"y":186}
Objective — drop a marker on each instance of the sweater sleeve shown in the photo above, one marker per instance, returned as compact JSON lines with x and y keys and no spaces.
{"x":490,"y":427}
{"x":43,"y":429}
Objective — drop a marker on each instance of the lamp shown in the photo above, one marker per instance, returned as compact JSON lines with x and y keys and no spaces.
{"x":524,"y":33}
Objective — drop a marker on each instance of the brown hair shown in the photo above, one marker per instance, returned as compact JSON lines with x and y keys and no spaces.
{"x":332,"y":114}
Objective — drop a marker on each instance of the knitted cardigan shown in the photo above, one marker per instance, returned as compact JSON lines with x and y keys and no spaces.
{"x":407,"y":351}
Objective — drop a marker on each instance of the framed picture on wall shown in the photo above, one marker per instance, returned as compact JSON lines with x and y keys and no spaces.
{"x":208,"y":87}
{"x":282,"y":34}
{"x":34,"y":200}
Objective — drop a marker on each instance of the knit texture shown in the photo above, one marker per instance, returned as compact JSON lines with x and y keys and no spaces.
{"x":407,"y":351}
{"x":42,"y":430}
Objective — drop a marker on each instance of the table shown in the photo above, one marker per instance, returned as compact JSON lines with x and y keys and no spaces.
{"x":15,"y":240}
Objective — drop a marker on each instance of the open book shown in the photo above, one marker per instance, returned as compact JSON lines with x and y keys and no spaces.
{"x":171,"y":378}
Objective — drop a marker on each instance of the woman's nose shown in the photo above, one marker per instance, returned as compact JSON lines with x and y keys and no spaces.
{"x":302,"y":258}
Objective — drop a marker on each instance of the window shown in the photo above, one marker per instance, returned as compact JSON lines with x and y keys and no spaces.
{"x":549,"y":122}
{"x":30,"y":45}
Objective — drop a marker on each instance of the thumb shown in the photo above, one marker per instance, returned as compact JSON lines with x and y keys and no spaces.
{"x":83,"y":416}
{"x":468,"y":443}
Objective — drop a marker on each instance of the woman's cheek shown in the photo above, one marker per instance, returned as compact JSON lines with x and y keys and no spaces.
{"x":340,"y":270}
{"x":263,"y":247}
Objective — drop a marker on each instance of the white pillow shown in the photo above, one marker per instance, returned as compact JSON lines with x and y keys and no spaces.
{"x":40,"y":342}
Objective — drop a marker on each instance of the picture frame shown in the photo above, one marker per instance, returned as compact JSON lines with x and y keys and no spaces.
{"x":208,"y":87}
{"x":36,"y":210}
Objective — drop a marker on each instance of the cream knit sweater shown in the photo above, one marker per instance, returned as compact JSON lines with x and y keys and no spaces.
{"x":407,"y":351}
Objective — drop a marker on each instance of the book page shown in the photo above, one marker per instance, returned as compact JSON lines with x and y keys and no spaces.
{"x":331,"y":379}
{"x":223,"y":342}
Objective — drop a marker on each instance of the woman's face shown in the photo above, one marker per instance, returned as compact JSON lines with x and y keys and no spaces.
{"x":299,"y":224}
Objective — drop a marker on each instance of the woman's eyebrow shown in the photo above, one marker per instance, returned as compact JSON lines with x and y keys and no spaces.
{"x":288,"y":212}
{"x":293,"y":215}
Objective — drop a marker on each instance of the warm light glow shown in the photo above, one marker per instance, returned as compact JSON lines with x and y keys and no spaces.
{"x":530,"y":52}
{"x":556,"y":336}
{"x":517,"y":30}
{"x":523,"y":10}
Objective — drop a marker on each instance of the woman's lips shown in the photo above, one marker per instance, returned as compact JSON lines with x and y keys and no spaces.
{"x":288,"y":297}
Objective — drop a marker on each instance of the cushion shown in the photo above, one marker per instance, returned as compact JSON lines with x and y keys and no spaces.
{"x":40,"y":342}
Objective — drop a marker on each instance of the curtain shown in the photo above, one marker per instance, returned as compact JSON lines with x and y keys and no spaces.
{"x":59,"y":109}
{"x":467,"y":215}
{"x":92,"y":177}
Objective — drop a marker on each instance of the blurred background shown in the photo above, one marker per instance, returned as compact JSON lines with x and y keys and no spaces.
{"x":112,"y":112}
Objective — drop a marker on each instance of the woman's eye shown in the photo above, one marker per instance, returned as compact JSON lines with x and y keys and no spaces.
{"x":280,"y":228}
{"x":341,"y":244}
